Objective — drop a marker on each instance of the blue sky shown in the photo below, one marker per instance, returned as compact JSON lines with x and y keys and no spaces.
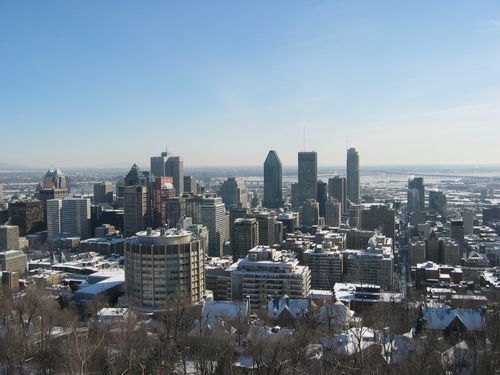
{"x":102,"y":83}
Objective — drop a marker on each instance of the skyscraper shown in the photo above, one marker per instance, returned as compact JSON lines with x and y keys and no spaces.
{"x":322,"y":196}
{"x":159,"y":165}
{"x":53,"y":186}
{"x":234,"y":192}
{"x":103,"y":192}
{"x":337,"y":189}
{"x":353,"y":189}
{"x":75,"y":217}
{"x":273,"y":176}
{"x":213,"y":216}
{"x":175,"y":169}
{"x":307,"y":175}
{"x":416,"y":194}
{"x":54,"y":218}
{"x":438,"y":202}
{"x":135,"y":204}
{"x":310,"y":213}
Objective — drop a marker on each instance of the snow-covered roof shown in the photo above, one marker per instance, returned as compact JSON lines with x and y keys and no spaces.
{"x":297,"y":307}
{"x":337,"y":314}
{"x":439,"y":318}
{"x":269,"y":334}
{"x":400,"y":348}
{"x":350,"y":342}
{"x":227,"y":310}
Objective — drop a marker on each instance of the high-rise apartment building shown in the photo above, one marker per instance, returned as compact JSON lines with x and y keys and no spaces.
{"x":103,"y":193}
{"x":245,"y":237}
{"x":13,"y":261}
{"x":326,"y":267}
{"x":333,"y":212}
{"x":213,"y":216}
{"x":175,"y":169}
{"x":352,"y":172}
{"x":268,"y":272}
{"x":9,"y":237}
{"x":310,"y":213}
{"x":273,"y":176}
{"x":164,"y":263}
{"x":266,"y":224}
{"x":337,"y":188}
{"x":307,"y":175}
{"x":381,"y":218}
{"x":416,"y":195}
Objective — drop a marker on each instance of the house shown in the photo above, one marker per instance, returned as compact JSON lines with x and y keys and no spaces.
{"x":350,"y":342}
{"x":454,"y":322}
{"x":285,"y":309}
{"x":336,"y":315}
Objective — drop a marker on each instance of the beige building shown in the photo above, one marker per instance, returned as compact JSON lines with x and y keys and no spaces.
{"x":9,"y":237}
{"x":326,"y":267}
{"x":13,"y":261}
{"x":162,"y":263}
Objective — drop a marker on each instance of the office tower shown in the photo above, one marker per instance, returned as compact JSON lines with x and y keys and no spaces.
{"x":54,"y":218}
{"x":245,"y":237}
{"x":457,"y":231}
{"x":193,"y":207}
{"x":380,"y":218}
{"x":176,"y":208}
{"x":164,"y":263}
{"x":333,"y":212}
{"x":237,"y":212}
{"x":294,"y":192}
{"x":136,"y":177}
{"x":307,"y":176}
{"x":100,"y":216}
{"x":163,"y":190}
{"x":266,"y":228}
{"x":353,"y":182}
{"x":135,"y":204}
{"x":322,"y":196}
{"x":416,"y":194}
{"x":310,"y":213}
{"x":326,"y":267}
{"x":354,"y":214}
{"x":255,"y":278}
{"x":158,"y":165}
{"x":273,"y":177}
{"x":175,"y":169}
{"x":337,"y":189}
{"x":468,"y":219}
{"x":190,"y":185}
{"x":213,"y":216}
{"x":53,"y":186}
{"x":13,"y":261}
{"x":103,"y":193}
{"x":234,"y":192}
{"x":27,"y":215}
{"x":75,"y":217}
{"x":278,"y":231}
{"x":1,"y":192}
{"x":437,"y":202}
{"x":9,"y":237}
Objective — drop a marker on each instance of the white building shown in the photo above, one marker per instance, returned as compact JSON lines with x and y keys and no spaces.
{"x":268,"y":272}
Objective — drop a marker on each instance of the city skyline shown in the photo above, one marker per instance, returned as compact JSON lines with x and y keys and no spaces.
{"x":98,"y":79}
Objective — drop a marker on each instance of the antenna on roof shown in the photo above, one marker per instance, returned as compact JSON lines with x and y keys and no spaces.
{"x":305,"y":138}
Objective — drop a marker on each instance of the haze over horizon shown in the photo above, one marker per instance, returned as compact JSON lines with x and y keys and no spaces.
{"x":221,"y":83}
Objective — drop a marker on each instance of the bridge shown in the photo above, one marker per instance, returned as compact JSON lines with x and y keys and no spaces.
{"x":432,"y":176}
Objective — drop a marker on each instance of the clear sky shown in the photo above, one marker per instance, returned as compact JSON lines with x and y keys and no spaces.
{"x":103,"y":83}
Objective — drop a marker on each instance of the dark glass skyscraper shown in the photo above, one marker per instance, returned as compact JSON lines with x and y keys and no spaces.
{"x":353,"y":191}
{"x":273,"y":197}
{"x":308,"y":175}
{"x":416,"y":194}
